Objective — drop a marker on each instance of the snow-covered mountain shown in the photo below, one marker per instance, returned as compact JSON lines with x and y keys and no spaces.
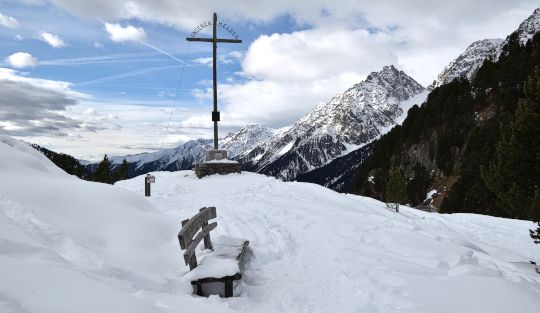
{"x":528,"y":28}
{"x":247,"y":138}
{"x":467,"y":63}
{"x":184,"y":156}
{"x":351,"y":119}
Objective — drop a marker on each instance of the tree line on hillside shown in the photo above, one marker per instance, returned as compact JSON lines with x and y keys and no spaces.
{"x":478,"y":139}
{"x":103,"y":173}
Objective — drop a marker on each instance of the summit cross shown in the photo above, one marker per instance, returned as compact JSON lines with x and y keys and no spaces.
{"x":214,"y":40}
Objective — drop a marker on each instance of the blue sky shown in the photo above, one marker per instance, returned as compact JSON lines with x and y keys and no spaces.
{"x":76,"y":85}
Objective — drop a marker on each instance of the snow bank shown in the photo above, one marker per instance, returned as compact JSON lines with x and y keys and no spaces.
{"x":67,"y":245}
{"x":314,"y":250}
{"x":72,"y":246}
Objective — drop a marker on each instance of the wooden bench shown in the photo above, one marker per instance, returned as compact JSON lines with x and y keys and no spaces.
{"x":223,"y":263}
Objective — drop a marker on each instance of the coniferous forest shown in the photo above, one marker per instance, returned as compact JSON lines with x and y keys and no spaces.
{"x":477,"y":143}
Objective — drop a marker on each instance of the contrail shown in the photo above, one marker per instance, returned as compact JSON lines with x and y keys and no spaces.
{"x":164,"y":52}
{"x":126,"y":74}
{"x":97,"y":59}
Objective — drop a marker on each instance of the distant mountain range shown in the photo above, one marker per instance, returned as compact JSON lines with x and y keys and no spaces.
{"x":347,"y":122}
{"x":326,"y":145}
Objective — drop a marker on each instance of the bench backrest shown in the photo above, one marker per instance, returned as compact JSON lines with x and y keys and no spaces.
{"x":189,"y":236}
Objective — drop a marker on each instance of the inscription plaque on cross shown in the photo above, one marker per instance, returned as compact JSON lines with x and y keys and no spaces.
{"x":214,"y":40}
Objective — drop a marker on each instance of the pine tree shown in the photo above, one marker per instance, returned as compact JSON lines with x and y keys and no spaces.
{"x":102,"y":173}
{"x":122,"y":172}
{"x":396,"y":190}
{"x":514,"y":174}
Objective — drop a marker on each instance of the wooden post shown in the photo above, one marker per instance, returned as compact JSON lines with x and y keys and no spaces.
{"x":207,"y":241}
{"x":147,"y":185}
{"x":214,"y":63}
{"x":228,"y":288}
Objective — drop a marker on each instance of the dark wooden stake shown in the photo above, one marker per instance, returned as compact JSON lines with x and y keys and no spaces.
{"x":146,"y":186}
{"x":228,"y":288}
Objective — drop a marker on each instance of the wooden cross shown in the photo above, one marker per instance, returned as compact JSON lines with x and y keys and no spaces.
{"x":214,"y":40}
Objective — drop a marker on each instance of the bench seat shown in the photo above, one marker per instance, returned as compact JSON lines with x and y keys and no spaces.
{"x":218,"y":270}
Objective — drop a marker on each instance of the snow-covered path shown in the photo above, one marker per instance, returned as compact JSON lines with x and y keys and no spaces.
{"x":314,"y":250}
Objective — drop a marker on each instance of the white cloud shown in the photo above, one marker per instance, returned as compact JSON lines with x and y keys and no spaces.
{"x":18,"y":37}
{"x":419,"y":29}
{"x":31,"y":106}
{"x":118,"y":33}
{"x":98,"y":45}
{"x":316,"y":54}
{"x":21,"y":60}
{"x":53,"y":40}
{"x":8,"y":21}
{"x":229,"y":58}
{"x":286,"y":75}
{"x":204,"y":61}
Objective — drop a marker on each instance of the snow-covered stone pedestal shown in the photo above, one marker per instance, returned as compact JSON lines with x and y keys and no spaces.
{"x":216,"y":163}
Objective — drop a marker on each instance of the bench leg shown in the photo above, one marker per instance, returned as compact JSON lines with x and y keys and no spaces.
{"x":199,"y":290}
{"x":228,"y":288}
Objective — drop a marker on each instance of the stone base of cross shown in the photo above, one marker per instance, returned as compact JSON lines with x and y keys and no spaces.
{"x":216,"y":162}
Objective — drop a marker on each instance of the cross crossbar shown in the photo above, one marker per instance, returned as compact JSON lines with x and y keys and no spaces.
{"x":212,"y":40}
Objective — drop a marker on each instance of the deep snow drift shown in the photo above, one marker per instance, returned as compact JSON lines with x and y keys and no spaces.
{"x":68,"y":245}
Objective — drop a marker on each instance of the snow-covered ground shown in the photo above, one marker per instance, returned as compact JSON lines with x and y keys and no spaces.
{"x":68,"y":245}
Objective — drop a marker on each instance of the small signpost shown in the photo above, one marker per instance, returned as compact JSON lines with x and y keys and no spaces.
{"x":148,"y":179}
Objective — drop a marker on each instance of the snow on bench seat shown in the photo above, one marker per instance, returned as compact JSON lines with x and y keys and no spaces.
{"x":220,"y":267}
{"x":224,"y":261}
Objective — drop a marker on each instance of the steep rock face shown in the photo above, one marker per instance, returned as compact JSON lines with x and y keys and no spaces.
{"x":467,"y":63}
{"x":350,"y":120}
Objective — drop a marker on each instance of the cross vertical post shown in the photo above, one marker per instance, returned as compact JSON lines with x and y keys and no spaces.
{"x":214,"y":67}
{"x":214,"y":40}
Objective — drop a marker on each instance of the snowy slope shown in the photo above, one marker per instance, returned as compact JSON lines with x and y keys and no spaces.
{"x":68,"y":245}
{"x":314,"y":250}
{"x":350,"y":120}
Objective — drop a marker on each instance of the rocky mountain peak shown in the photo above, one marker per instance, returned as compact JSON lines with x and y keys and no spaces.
{"x":246,"y":139}
{"x":529,"y":27}
{"x":349,"y":120}
{"x":467,"y":63}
